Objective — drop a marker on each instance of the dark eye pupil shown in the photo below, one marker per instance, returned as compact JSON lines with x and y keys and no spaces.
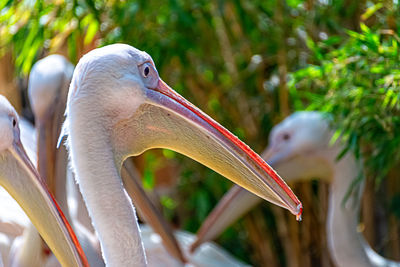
{"x":14,"y":122}
{"x":286,"y":137}
{"x":146,"y":71}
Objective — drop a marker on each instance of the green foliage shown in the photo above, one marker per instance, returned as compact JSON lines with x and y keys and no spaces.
{"x":394,"y":205}
{"x":152,"y":163}
{"x":31,"y":26}
{"x":169,"y":206}
{"x":359,"y":83}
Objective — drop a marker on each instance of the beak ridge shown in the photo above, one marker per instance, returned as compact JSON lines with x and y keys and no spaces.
{"x":30,"y":191}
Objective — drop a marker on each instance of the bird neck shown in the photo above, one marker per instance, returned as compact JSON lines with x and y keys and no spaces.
{"x":97,"y":172}
{"x":343,"y":216}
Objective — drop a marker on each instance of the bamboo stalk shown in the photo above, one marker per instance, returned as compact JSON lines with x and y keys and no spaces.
{"x":305,"y":229}
{"x":282,"y":60}
{"x":237,"y":30}
{"x":8,"y":85}
{"x":393,"y":186}
{"x":260,"y":239}
{"x":323,"y":206}
{"x":368,"y":213}
{"x":284,"y":237}
{"x":294,"y":232}
{"x":227,"y":54}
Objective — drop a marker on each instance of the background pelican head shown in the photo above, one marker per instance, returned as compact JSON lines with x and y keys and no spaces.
{"x":298,"y":147}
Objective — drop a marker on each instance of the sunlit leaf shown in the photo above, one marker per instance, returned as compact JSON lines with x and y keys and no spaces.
{"x":371,"y":10}
{"x":91,"y":32}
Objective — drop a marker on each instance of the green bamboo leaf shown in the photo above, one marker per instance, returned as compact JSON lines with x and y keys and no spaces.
{"x":371,"y":10}
{"x":364,"y":28}
{"x":91,"y":32}
{"x":148,"y":179}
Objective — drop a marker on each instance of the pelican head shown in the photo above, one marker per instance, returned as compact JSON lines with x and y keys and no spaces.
{"x":298,"y":147}
{"x":20,"y":178}
{"x":48,"y":85}
{"x":118,"y":88}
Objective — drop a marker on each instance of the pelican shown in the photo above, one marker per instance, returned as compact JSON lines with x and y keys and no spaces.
{"x":20,"y":178}
{"x":48,"y":88}
{"x":300,"y":149}
{"x":119,"y":107}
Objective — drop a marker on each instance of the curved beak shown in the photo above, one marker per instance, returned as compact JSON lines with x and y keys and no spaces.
{"x":24,"y":184}
{"x":170,"y":121}
{"x":148,"y":211}
{"x":49,"y":166}
{"x":47,"y":152}
{"x":234,"y":204}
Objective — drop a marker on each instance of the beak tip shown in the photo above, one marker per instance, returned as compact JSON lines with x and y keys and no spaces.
{"x":299,"y":212}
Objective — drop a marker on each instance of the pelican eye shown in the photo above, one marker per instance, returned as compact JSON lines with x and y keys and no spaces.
{"x":149,"y":74}
{"x":14,"y":122}
{"x":146,"y":71}
{"x":286,"y":136}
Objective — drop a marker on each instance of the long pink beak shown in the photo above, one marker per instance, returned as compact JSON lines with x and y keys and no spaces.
{"x":175,"y":123}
